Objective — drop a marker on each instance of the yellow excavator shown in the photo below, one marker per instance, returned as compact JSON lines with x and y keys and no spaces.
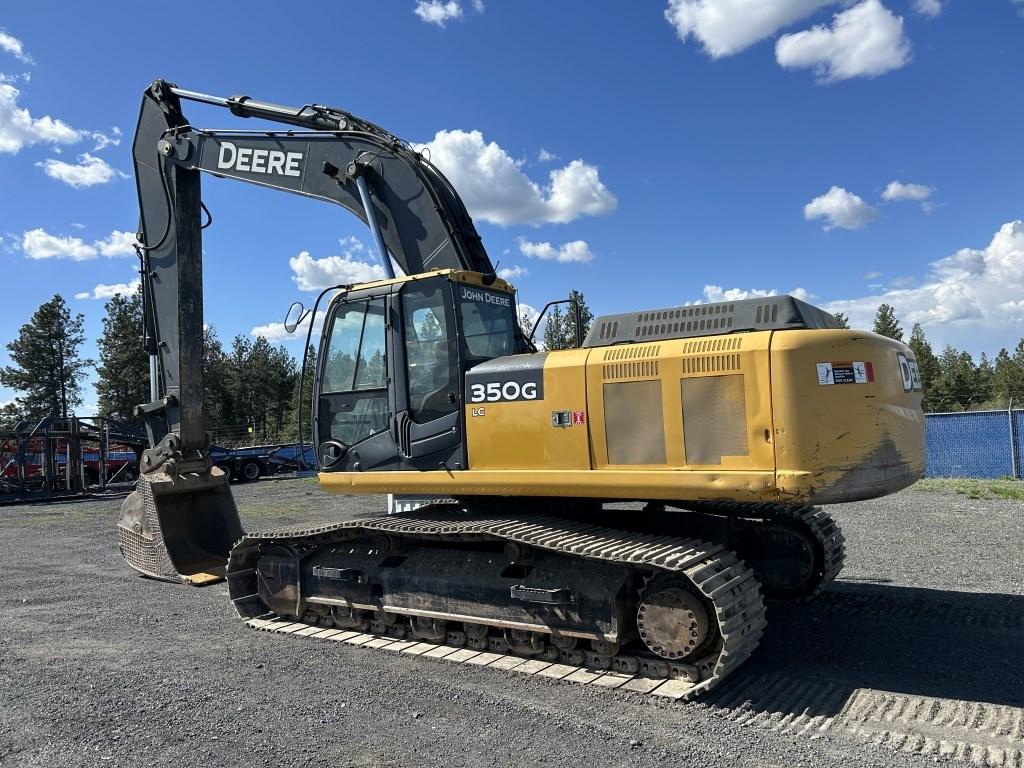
{"x":626,"y":505}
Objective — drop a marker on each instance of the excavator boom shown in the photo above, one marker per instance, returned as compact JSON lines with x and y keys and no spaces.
{"x":182,"y":520}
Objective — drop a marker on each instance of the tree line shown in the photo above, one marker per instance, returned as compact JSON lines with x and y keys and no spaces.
{"x":252,"y":387}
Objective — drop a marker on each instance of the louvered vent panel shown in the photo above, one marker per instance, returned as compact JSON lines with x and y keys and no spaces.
{"x":710,"y":364}
{"x":632,"y":352}
{"x":637,"y":369}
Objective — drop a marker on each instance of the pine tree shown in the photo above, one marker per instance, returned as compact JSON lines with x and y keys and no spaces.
{"x":585,"y":315}
{"x":560,"y":331}
{"x":959,"y":377}
{"x":886,"y":323}
{"x":47,"y":369}
{"x":928,"y":366}
{"x":842,"y":319}
{"x":10,"y":416}
{"x":218,"y":405}
{"x":303,"y":405}
{"x":554,"y":329}
{"x":123,"y":373}
{"x":1008,"y":377}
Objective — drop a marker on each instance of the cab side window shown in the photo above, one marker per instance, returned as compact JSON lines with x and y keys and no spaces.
{"x":354,"y":389}
{"x":430,"y":352}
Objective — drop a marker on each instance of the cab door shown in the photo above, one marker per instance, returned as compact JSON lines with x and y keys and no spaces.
{"x":428,"y":415}
{"x":353,"y":402}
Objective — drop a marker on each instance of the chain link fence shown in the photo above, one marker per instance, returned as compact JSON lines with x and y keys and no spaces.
{"x":982,"y":444}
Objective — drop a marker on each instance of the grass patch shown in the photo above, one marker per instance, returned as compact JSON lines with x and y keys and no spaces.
{"x":975,"y":489}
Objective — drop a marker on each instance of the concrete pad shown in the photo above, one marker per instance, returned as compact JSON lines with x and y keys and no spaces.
{"x":641,"y":685}
{"x":583,"y":676}
{"x":401,"y":645}
{"x":324,"y":634}
{"x":532,"y":667}
{"x":440,"y":652}
{"x":557,"y":671}
{"x":343,"y":636}
{"x":612,"y":680}
{"x":419,"y":648}
{"x":359,"y":639}
{"x":463,"y":654}
{"x":484,"y":658}
{"x":506,"y":662}
{"x":673,"y":689}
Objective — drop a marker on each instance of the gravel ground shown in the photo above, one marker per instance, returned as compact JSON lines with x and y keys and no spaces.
{"x":99,"y":667}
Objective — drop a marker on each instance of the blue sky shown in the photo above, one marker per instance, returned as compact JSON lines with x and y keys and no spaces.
{"x":649,"y":154}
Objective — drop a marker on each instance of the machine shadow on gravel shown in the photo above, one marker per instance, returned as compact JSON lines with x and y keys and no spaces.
{"x":905,"y":640}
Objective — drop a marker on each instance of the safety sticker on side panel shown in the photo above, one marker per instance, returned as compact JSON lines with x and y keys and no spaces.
{"x":845,"y":372}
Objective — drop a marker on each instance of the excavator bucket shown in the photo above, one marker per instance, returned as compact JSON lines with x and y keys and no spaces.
{"x":180,"y":528}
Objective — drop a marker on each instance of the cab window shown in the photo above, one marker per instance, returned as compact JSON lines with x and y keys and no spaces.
{"x":432,"y":366}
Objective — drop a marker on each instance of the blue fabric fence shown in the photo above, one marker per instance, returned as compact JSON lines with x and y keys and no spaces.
{"x":984,"y":444}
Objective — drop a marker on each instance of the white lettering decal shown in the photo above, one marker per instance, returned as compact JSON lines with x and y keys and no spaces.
{"x":259,"y":159}
{"x":265,"y":161}
{"x":530,"y":391}
{"x":226,"y":159}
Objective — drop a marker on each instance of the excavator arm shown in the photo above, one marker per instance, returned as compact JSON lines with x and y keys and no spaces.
{"x":181,"y":521}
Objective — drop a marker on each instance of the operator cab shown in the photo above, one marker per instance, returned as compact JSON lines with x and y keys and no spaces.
{"x":392,"y":365}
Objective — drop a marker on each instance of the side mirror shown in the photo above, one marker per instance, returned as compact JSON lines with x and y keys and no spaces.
{"x":296,"y":314}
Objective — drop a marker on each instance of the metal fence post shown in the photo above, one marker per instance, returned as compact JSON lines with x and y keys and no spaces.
{"x":1013,"y":442}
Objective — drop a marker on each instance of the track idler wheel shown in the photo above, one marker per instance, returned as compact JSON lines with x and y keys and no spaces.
{"x":672,"y":622}
{"x":787,"y":561}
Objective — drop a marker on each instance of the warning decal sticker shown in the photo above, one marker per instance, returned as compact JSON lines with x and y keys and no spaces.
{"x":855,"y":372}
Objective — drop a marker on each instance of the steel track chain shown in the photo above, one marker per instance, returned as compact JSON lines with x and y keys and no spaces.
{"x":724,"y":581}
{"x":814,"y":520}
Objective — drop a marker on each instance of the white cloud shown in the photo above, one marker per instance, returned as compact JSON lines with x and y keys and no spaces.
{"x":39,"y":244}
{"x":14,"y":46}
{"x":87,"y":172}
{"x":930,"y":8}
{"x":725,"y":27}
{"x":497,"y":191}
{"x":864,"y":41}
{"x":897,"y":190}
{"x":716,"y":293}
{"x":575,"y":251}
{"x":546,"y":157}
{"x":311,"y":274}
{"x":840,"y":208}
{"x":104,"y":291}
{"x":103,"y":140}
{"x":513,"y":273}
{"x":19,"y":129}
{"x":969,"y":291}
{"x":117,"y":243}
{"x":478,"y":6}
{"x":872,"y":275}
{"x":438,"y":12}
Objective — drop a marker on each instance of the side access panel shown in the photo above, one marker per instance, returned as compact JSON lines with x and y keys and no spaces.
{"x":529,"y":412}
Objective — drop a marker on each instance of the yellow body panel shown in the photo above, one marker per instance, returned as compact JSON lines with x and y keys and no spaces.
{"x":519,"y":435}
{"x":739,"y":416}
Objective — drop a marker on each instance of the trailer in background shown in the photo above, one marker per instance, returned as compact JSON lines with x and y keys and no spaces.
{"x":253,"y":462}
